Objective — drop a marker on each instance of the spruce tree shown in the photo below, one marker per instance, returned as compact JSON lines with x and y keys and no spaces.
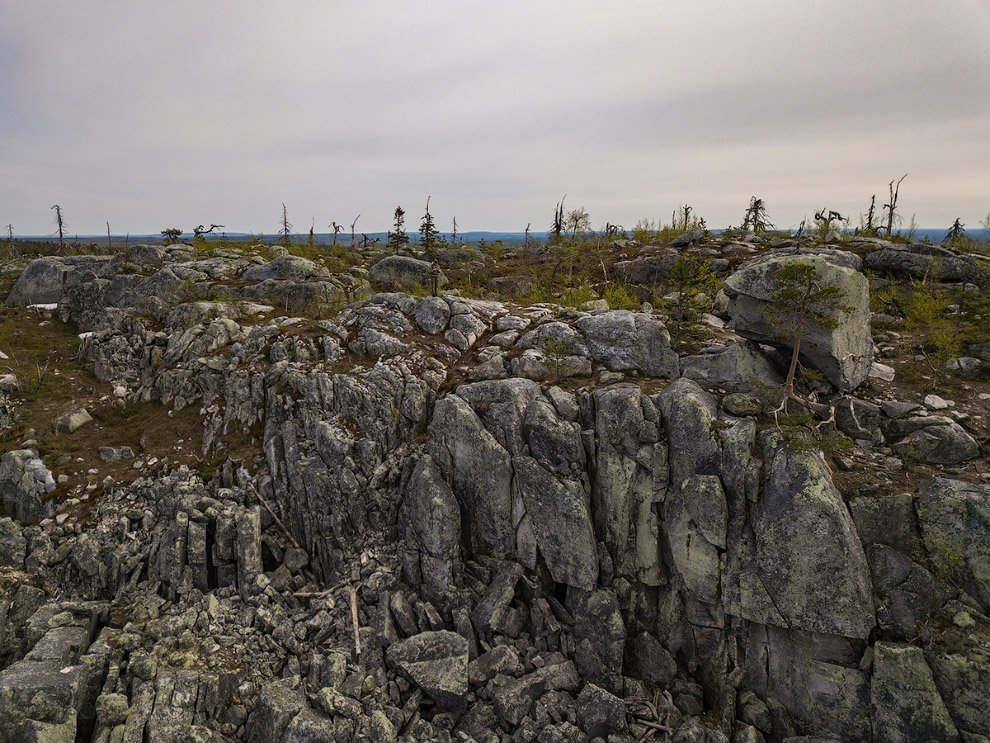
{"x":398,"y":239}
{"x":428,"y":231}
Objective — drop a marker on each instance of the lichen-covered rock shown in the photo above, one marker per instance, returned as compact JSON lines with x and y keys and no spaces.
{"x":695,"y":517}
{"x":906,"y":705}
{"x":918,"y":260}
{"x":479,"y":471}
{"x":963,"y":681}
{"x":560,"y":521}
{"x":809,"y":558}
{"x":286,"y":268}
{"x":740,"y":365}
{"x":432,"y":315}
{"x":945,"y":444}
{"x":625,"y":341}
{"x":842,"y":353}
{"x":24,"y":478}
{"x":402,"y":272}
{"x":955,"y":524}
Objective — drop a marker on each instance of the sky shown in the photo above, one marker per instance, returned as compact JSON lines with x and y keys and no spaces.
{"x":173,"y":114}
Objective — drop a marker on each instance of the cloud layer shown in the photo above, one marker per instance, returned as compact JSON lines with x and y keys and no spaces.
{"x":178,"y":113}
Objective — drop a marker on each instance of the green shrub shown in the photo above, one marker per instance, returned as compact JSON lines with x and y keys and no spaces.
{"x":619,"y":298}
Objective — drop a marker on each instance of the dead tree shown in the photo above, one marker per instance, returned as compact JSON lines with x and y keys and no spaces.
{"x":286,"y":230}
{"x":869,"y":228}
{"x":109,"y":241}
{"x":336,"y":228}
{"x":352,"y":229}
{"x":60,"y":221}
{"x":825,"y":217}
{"x":557,"y":228}
{"x":200,"y":230}
{"x":453,"y":235}
{"x":891,"y":206}
{"x":10,"y":240}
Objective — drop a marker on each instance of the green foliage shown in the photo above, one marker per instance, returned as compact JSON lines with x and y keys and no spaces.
{"x":171,"y":235}
{"x":693,"y":280}
{"x":645,"y":231}
{"x":578,"y":295}
{"x":556,"y":351}
{"x":798,"y":294}
{"x":619,"y":298}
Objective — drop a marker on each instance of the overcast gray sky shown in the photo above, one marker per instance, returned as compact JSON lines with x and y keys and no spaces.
{"x":152,"y":115}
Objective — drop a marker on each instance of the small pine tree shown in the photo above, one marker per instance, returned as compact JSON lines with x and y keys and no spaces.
{"x":171,"y":235}
{"x":798,"y":295}
{"x":398,"y":239}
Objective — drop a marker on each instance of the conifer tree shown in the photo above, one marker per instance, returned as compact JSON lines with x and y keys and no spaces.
{"x":398,"y":239}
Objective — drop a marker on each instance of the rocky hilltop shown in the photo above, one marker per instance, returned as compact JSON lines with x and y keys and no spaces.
{"x":253,"y":496}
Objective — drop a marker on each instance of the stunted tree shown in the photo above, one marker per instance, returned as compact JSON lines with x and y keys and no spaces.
{"x":578,"y":221}
{"x":756,"y":218}
{"x":397,"y":237}
{"x":799,"y":295}
{"x":868,"y":226}
{"x":428,"y":235}
{"x":891,"y":206}
{"x":199,"y":230}
{"x":171,"y":235}
{"x":60,"y":222}
{"x":286,"y":229}
{"x":824,"y":217}
{"x":956,"y":233}
{"x":557,"y":228}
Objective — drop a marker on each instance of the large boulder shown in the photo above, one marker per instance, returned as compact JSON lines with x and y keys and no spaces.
{"x":739,"y":365}
{"x":625,"y":341}
{"x":42,"y":281}
{"x":479,"y":471}
{"x":842,"y":353}
{"x":403,"y":272}
{"x":286,"y":268}
{"x":920,"y":261}
{"x":561,"y":523}
{"x":24,"y":478}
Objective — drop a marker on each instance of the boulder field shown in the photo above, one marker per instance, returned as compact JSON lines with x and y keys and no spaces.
{"x":468,"y":520}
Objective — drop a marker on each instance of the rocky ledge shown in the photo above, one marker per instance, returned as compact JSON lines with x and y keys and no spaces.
{"x":460,"y":519}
